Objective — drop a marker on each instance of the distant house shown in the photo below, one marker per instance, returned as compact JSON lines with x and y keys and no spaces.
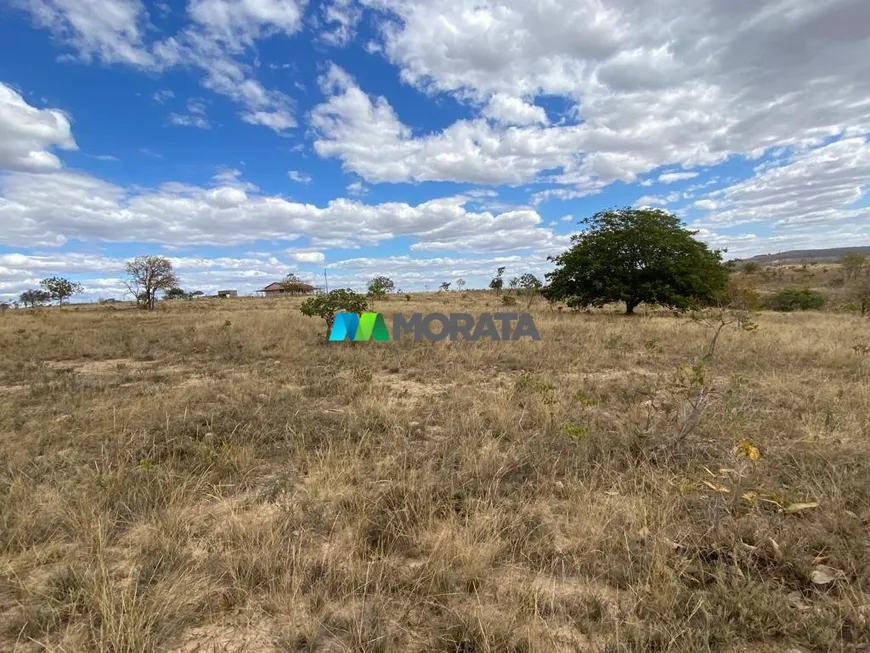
{"x":280,"y":288}
{"x":227,"y":293}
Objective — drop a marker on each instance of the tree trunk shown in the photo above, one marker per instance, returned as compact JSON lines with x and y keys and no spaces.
{"x":630,"y":305}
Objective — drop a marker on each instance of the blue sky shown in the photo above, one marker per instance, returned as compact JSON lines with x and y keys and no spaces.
{"x":425,"y":140}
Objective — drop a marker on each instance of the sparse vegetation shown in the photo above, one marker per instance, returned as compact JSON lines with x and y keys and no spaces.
{"x":529,"y":286}
{"x":34,"y":297}
{"x":293,"y":285}
{"x":860,"y":294}
{"x":853,"y":264}
{"x":210,"y":478}
{"x":497,"y":282}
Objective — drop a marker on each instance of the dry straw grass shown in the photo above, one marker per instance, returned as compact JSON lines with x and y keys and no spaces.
{"x":213,"y":477}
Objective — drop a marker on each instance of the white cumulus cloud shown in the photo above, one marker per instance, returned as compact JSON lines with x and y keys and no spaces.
{"x":27,"y":134}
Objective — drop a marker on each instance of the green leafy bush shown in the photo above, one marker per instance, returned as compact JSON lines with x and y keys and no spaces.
{"x":327,"y":305}
{"x":794,"y":299}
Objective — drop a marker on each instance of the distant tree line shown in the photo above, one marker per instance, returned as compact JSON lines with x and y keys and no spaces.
{"x":630,"y":255}
{"x":51,"y":289}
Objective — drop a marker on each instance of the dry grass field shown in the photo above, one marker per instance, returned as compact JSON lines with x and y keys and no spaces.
{"x":215,"y":478}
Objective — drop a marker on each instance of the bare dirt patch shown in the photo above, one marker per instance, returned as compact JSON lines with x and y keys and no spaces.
{"x":238,"y":635}
{"x":408,"y":393}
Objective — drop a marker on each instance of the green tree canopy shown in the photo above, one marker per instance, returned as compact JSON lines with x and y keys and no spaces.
{"x":328,"y":304}
{"x":380,"y":286}
{"x":60,"y":289}
{"x":795,"y":299}
{"x":528,"y":285}
{"x":175,"y":293}
{"x":637,"y":256}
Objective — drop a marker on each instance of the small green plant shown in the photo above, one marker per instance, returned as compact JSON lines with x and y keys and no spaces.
{"x":574,"y":431}
{"x":583,"y":398}
{"x":542,"y":387}
{"x":678,"y":403}
{"x":362,"y":374}
{"x":694,"y":384}
{"x":794,"y":299}
{"x":616,"y":342}
{"x":653,"y":345}
{"x":717,"y":319}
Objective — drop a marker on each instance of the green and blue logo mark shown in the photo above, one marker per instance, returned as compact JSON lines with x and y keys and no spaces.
{"x":368,"y":326}
{"x":372,"y":326}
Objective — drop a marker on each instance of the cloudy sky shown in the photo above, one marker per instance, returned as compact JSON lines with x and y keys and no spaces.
{"x":423,"y":139}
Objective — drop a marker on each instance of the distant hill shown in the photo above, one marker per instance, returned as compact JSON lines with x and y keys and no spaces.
{"x":822,"y":255}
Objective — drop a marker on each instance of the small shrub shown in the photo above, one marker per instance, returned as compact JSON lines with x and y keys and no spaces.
{"x":741,"y":294}
{"x":653,"y":345}
{"x":794,"y":299}
{"x":574,"y":431}
{"x":326,"y":306}
{"x":507,"y":300}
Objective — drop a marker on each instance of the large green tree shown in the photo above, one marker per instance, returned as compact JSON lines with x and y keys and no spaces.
{"x":635,"y":256}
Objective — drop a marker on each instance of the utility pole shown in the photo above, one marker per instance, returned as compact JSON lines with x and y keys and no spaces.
{"x":326,"y":281}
